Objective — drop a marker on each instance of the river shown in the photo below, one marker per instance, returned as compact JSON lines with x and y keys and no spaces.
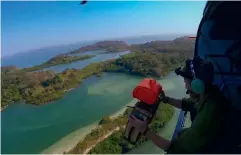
{"x":99,"y":56}
{"x":56,"y":126}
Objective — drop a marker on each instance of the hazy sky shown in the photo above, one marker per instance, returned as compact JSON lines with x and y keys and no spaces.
{"x":32,"y":25}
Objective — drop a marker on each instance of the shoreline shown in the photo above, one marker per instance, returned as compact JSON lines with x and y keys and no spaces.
{"x":65,"y":91}
{"x":123,"y":109}
{"x":42,"y":68}
{"x":89,"y":74}
{"x":68,"y":142}
{"x":2,"y":108}
{"x":100,"y":139}
{"x":68,"y":89}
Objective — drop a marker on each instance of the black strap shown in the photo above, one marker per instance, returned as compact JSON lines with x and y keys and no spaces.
{"x":145,"y":132}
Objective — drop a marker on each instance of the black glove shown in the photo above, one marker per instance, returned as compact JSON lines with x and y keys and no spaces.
{"x":163,"y":98}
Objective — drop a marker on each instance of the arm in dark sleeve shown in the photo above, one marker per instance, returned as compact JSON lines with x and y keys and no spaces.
{"x":196,"y":137}
{"x":187,"y":104}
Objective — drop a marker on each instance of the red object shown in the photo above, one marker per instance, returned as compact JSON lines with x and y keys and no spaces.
{"x":147,"y":90}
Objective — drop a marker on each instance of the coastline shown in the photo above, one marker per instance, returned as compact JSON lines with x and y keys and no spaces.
{"x":88,"y":74}
{"x":2,"y":108}
{"x":68,"y":142}
{"x":63,"y":93}
{"x":43,"y":66}
{"x":122,"y":110}
{"x":100,"y":140}
{"x":68,"y":90}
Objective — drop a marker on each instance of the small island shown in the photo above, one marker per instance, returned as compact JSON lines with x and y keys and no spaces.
{"x":58,"y":60}
{"x":108,"y":46}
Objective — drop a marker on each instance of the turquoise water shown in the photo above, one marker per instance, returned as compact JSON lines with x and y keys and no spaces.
{"x":31,"y":129}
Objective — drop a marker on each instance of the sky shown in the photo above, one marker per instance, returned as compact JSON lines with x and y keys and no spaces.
{"x":31,"y":25}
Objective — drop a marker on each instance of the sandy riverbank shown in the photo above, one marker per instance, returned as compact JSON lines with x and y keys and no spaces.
{"x":68,"y":90}
{"x":68,"y":142}
{"x":2,"y":108}
{"x":122,"y":110}
{"x":100,"y":139}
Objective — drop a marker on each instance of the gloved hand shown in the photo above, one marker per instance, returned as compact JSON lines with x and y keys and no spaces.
{"x":139,"y":125}
{"x":163,"y":97}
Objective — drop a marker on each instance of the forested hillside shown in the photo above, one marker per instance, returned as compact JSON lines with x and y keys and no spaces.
{"x":109,"y":46}
{"x":42,"y":86}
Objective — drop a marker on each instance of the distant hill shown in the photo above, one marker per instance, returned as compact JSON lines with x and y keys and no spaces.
{"x":155,"y":58}
{"x":148,"y":38}
{"x":38,"y":56}
{"x":182,"y":44}
{"x":109,"y":46}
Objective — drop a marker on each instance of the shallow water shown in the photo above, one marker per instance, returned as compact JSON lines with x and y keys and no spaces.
{"x":31,"y":129}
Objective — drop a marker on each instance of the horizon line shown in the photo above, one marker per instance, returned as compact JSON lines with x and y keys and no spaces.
{"x":95,"y":40}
